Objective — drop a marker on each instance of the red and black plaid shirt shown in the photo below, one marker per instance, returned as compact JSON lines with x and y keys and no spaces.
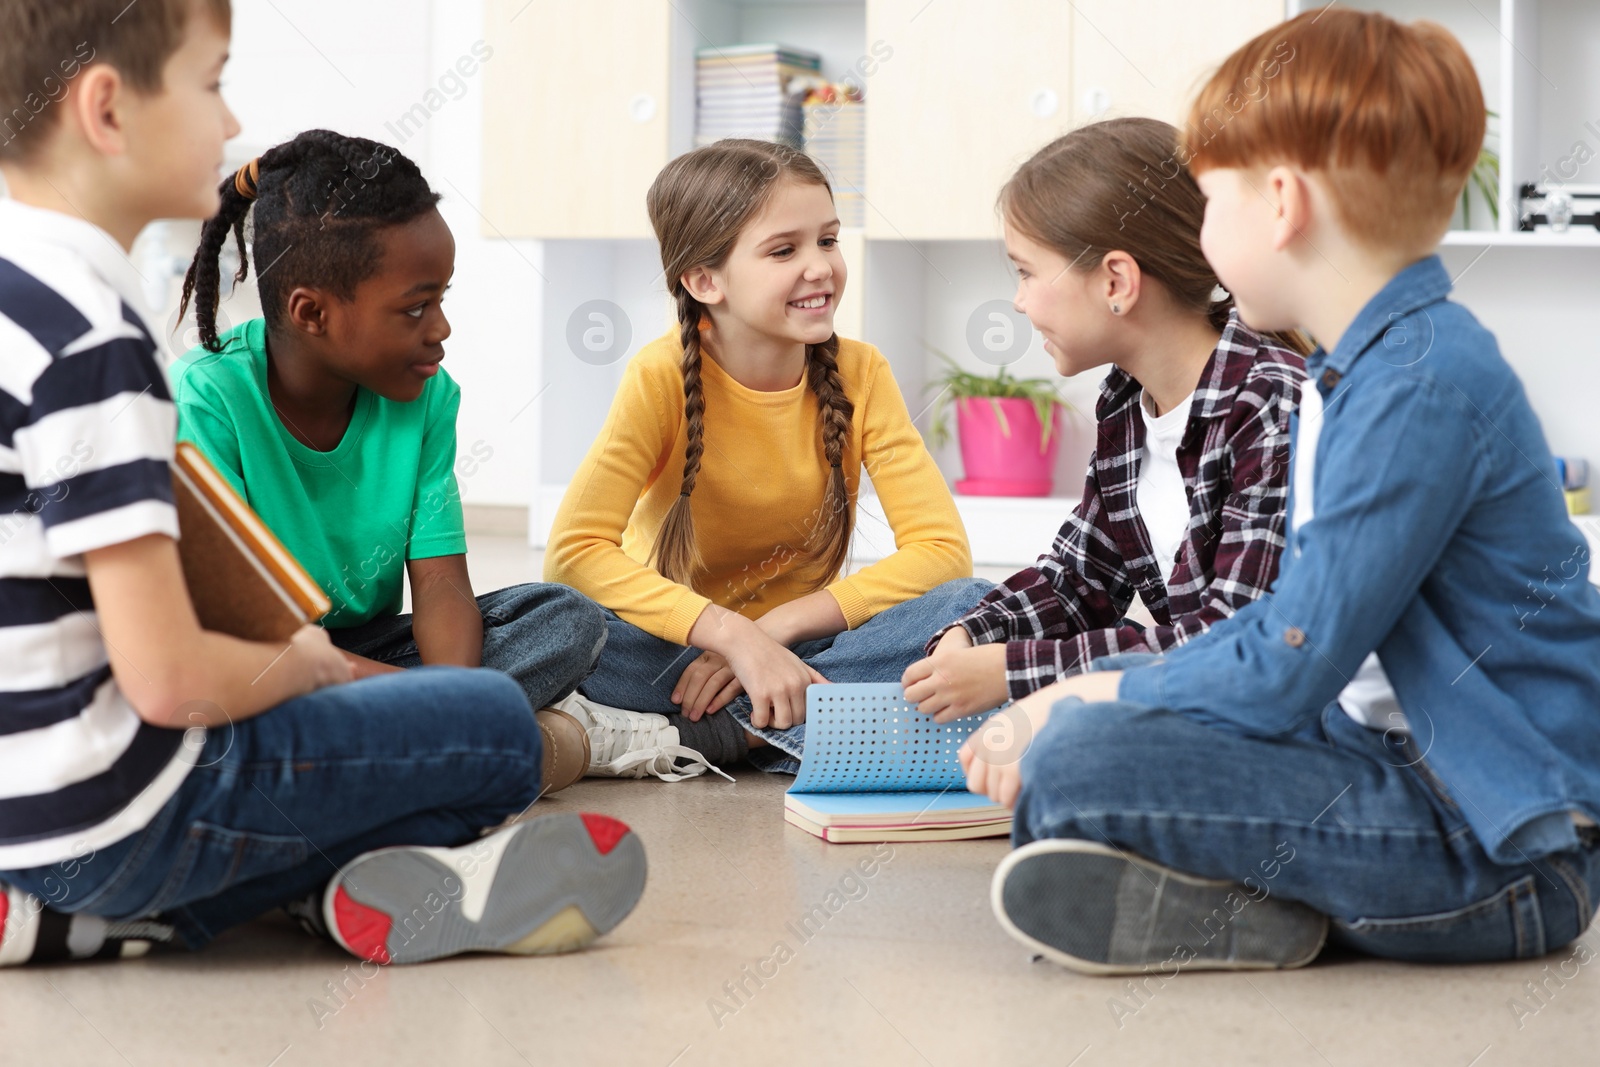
{"x":1068,"y":608}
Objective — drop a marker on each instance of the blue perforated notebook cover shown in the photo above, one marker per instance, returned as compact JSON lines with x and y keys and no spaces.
{"x":865,"y":738}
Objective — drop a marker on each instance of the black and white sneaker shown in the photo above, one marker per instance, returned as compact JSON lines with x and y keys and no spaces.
{"x":551,"y":884}
{"x":307,"y":911}
{"x":1098,"y":910}
{"x":31,"y":932}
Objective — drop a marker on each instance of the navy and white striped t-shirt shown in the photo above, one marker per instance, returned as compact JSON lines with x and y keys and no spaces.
{"x":86,"y":439}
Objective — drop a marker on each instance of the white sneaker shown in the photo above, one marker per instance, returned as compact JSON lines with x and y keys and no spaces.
{"x":546,"y":885}
{"x":633,"y":744}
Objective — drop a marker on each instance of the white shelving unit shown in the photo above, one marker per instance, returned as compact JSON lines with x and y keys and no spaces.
{"x":1538,"y":62}
{"x":956,"y":96}
{"x":967,"y":91}
{"x":1484,"y":238}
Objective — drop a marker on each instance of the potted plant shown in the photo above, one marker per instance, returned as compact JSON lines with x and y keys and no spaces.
{"x":1008,"y":429}
{"x":1484,"y":181}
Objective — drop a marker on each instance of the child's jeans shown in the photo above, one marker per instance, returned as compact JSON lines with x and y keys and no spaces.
{"x":1350,"y":821}
{"x":547,"y":637}
{"x":638,"y":670}
{"x":276,"y":804}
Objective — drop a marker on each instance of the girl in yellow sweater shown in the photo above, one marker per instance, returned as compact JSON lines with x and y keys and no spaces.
{"x":712,"y":517}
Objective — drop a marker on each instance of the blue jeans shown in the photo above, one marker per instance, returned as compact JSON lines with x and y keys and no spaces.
{"x":638,"y":670}
{"x":278,"y":803}
{"x":546,"y":636}
{"x":1350,"y":821}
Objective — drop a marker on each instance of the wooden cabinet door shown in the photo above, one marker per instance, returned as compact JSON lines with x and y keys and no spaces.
{"x":575,"y":116}
{"x":969,"y":90}
{"x":1151,"y":57}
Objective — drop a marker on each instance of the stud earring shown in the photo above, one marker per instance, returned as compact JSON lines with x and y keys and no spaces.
{"x":1116,"y":309}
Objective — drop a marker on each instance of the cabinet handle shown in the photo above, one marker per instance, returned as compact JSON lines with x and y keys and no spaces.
{"x":642,"y":108}
{"x":1096,"y":101}
{"x":1044,"y":102}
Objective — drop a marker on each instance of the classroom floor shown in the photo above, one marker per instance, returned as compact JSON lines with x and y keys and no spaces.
{"x":911,"y":969}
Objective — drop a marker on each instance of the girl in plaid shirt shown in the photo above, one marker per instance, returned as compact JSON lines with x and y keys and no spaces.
{"x":1185,"y":496}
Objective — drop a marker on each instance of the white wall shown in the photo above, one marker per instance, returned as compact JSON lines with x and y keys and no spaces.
{"x":358,"y":66}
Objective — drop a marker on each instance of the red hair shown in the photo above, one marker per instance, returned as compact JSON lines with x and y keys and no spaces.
{"x":1390,"y":114}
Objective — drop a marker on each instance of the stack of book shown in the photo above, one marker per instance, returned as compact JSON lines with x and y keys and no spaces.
{"x":752,"y":91}
{"x":1574,"y":474}
{"x":835,"y":136}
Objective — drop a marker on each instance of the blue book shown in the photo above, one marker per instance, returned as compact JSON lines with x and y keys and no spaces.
{"x":876,"y":769}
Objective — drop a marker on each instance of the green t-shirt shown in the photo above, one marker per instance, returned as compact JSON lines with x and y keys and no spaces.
{"x":353,"y":516}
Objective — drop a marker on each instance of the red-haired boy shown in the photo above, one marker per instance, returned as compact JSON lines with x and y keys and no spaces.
{"x":1396,"y":747}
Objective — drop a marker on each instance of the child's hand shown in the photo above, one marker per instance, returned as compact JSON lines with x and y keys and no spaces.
{"x":992,"y":757}
{"x":322,"y":663}
{"x":705,"y":686}
{"x":362,"y":667}
{"x":776,"y":680}
{"x":957,"y":679}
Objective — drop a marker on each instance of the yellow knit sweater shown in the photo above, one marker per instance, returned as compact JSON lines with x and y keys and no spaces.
{"x":762,"y":484}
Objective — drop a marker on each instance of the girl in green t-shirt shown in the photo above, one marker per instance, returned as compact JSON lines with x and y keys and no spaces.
{"x":332,"y":417}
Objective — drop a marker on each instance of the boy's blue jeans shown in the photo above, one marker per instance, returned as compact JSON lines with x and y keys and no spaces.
{"x":276,"y":804}
{"x":547,"y":637}
{"x":1348,"y":820}
{"x":638,"y":670}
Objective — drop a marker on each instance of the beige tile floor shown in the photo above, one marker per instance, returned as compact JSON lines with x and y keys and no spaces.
{"x":912,"y":969}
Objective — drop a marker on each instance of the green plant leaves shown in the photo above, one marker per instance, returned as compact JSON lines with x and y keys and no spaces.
{"x":958,"y":384}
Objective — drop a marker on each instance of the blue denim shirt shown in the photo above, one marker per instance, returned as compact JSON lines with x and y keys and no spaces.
{"x":1441,"y":541}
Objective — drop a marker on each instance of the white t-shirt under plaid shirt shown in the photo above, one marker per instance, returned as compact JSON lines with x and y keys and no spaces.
{"x":86,"y":440}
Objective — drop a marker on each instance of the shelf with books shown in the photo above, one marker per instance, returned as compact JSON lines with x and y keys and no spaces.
{"x":1576,"y":238}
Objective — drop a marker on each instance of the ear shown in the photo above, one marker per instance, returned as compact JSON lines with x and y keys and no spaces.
{"x":1120,"y":281}
{"x":703,"y":286}
{"x":94,"y":102}
{"x":1289,"y":192}
{"x":307,"y":311}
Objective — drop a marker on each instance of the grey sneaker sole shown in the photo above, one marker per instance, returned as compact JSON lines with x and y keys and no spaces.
{"x":1094,"y":909}
{"x":551,"y":884}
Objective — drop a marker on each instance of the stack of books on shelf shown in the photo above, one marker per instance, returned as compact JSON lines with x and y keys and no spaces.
{"x":835,"y":136}
{"x":752,"y":91}
{"x":1574,"y":474}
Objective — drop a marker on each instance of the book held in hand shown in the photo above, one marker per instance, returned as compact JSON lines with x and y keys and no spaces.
{"x":243,"y":582}
{"x":876,"y":769}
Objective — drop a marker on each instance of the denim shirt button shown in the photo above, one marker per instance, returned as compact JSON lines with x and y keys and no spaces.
{"x":1294,"y":637}
{"x":1330,"y":378}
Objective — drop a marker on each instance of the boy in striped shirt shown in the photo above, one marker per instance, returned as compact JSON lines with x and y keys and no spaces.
{"x":160,"y":782}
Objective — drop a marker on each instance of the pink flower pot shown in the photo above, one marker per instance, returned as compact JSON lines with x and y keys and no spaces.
{"x":997,"y":463}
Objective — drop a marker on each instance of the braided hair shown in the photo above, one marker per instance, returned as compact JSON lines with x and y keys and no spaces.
{"x":320,"y":201}
{"x":698,"y":205}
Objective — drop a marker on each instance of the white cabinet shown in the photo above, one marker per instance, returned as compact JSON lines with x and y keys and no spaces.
{"x":588,"y":101}
{"x":1149,"y":58}
{"x":575,"y":116}
{"x":970,"y":91}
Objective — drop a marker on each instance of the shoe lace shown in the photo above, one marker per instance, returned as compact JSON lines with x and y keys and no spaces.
{"x":630,"y":744}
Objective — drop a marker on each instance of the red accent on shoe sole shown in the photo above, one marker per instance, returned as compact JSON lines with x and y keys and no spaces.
{"x":5,"y":909}
{"x":604,"y":831}
{"x":365,"y":930}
